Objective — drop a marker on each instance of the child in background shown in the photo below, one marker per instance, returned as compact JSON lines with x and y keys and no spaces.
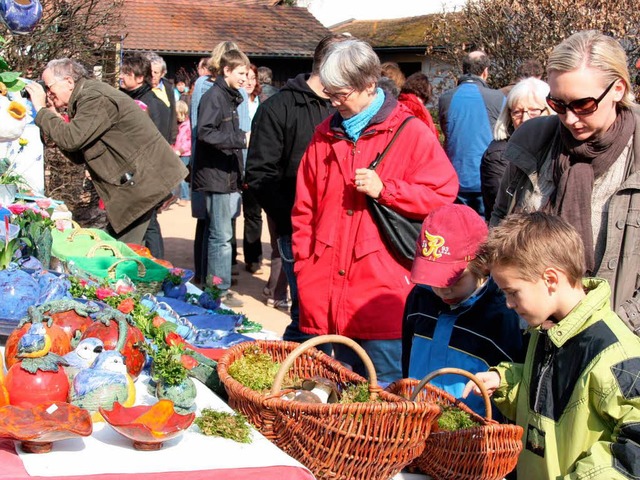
{"x":182,"y":147}
{"x":577,"y":395}
{"x":455,"y":316}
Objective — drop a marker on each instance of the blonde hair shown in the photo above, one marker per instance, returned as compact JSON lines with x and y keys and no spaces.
{"x":182,"y":110}
{"x":529,"y":88}
{"x":591,"y":48}
{"x":533,"y":242}
{"x":213,"y":64}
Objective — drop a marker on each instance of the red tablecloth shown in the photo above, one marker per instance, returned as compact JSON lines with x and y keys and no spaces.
{"x":11,"y":468}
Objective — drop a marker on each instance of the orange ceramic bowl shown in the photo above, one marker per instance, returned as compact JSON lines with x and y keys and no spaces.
{"x":148,"y":425}
{"x":37,"y":427}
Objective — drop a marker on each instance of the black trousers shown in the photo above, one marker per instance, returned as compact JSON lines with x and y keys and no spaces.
{"x":251,"y":242}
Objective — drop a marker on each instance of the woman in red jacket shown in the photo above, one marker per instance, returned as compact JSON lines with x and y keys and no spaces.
{"x":349,"y":283}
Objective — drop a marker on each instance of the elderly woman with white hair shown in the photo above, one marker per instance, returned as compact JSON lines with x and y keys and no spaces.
{"x":525,"y":101}
{"x":349,"y":281}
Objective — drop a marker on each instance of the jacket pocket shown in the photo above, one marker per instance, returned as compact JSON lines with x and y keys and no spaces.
{"x":112,"y":167}
{"x":366,"y":246}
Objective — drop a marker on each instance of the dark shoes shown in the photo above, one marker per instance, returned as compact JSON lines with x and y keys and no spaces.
{"x":253,"y":268}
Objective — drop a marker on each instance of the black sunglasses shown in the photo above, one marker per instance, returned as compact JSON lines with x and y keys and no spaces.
{"x":581,"y":106}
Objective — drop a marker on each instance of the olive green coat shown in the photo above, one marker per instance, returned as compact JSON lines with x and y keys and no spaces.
{"x":132,"y":167}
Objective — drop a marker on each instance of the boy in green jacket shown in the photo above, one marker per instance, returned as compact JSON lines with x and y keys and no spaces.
{"x":577,"y":396}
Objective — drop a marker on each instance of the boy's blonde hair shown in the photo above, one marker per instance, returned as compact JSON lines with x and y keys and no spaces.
{"x":182,"y":110}
{"x":533,"y":242}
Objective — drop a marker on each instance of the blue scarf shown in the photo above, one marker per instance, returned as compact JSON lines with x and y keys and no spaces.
{"x":355,"y":125}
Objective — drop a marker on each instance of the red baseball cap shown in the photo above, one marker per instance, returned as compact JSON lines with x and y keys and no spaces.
{"x":449,"y":240}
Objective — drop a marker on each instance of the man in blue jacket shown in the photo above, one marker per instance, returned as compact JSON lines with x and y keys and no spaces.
{"x":467,"y":116}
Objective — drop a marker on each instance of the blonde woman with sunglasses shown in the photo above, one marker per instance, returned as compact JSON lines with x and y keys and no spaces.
{"x":584,"y":163}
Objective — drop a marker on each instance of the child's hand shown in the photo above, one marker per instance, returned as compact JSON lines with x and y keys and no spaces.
{"x":491,"y":381}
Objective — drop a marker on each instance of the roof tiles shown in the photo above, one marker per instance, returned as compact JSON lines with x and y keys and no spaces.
{"x":196,"y":26}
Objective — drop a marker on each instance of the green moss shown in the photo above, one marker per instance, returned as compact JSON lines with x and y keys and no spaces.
{"x":255,"y":370}
{"x":453,"y":419}
{"x":225,"y":425}
{"x":355,"y":393}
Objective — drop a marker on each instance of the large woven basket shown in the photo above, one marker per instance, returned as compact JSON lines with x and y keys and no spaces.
{"x":486,"y":452}
{"x":369,"y":441}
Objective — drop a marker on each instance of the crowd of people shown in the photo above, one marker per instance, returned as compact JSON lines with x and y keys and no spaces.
{"x":527,"y":265}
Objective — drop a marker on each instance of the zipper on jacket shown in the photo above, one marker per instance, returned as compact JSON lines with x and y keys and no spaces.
{"x":549,"y":353}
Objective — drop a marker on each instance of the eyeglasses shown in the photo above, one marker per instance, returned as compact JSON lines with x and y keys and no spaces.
{"x":531,"y":112}
{"x":48,"y":87}
{"x":581,"y":106}
{"x":338,"y":97}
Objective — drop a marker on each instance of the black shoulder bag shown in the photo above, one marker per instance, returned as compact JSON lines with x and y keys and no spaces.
{"x":399,"y":233}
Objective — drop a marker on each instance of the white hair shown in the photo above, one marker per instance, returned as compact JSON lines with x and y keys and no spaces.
{"x":529,"y":88}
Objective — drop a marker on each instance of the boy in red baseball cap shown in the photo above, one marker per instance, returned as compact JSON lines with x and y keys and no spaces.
{"x":456,"y":315}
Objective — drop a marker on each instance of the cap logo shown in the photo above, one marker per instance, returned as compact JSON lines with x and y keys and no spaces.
{"x":433,"y":247}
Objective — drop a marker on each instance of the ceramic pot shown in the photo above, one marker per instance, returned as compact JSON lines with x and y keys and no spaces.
{"x":20,"y":16}
{"x":207,"y":301}
{"x":172,"y":290}
{"x":182,"y":395}
{"x":7,"y":191}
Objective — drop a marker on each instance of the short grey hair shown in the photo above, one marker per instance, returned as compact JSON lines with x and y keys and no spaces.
{"x":156,"y":59}
{"x":529,"y":88}
{"x":351,"y":63}
{"x":66,"y":67}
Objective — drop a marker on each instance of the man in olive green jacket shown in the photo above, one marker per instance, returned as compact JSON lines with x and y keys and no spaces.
{"x":132,"y":166}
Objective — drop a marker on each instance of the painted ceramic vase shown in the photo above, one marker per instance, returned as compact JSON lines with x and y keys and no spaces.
{"x":182,"y":395}
{"x":20,"y":16}
{"x":207,"y":301}
{"x":172,"y":290}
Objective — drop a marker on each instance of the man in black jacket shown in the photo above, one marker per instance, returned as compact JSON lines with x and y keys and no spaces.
{"x":218,"y":163}
{"x":281,"y":131}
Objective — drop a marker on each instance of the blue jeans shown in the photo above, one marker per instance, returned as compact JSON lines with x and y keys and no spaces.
{"x":473,"y":200}
{"x":385,"y":355}
{"x":292,"y":333}
{"x":219,"y":238}
{"x":183,"y":190}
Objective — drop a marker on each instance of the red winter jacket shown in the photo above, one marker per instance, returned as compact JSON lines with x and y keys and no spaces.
{"x":348,"y":282}
{"x":413,"y":103}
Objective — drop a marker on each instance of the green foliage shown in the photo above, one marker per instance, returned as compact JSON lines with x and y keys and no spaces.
{"x":453,"y":419}
{"x":167,"y":365}
{"x":355,"y":393}
{"x":255,"y":370}
{"x":10,"y":79}
{"x":225,"y":425}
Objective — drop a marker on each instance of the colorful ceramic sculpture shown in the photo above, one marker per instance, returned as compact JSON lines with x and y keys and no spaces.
{"x":20,"y":16}
{"x":148,"y":426}
{"x":82,"y":356}
{"x":37,"y":427}
{"x":102,"y":384}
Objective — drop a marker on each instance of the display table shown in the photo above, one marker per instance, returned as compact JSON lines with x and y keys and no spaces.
{"x":106,"y":455}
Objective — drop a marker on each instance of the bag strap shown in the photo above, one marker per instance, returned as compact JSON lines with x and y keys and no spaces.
{"x":382,"y":154}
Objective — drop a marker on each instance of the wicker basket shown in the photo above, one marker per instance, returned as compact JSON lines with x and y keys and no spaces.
{"x":486,"y":452}
{"x":368,"y":441}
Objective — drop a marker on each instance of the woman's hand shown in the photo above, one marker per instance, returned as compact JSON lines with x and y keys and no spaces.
{"x":367,"y":181}
{"x":490,"y":379}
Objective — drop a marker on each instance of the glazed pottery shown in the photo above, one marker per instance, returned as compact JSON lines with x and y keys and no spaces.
{"x":182,"y":395}
{"x":121,"y":336}
{"x":37,"y":427}
{"x":207,"y":301}
{"x":148,"y":426}
{"x":60,"y":343}
{"x":172,"y":290}
{"x":20,"y":16}
{"x":18,"y":291}
{"x":27,"y":389}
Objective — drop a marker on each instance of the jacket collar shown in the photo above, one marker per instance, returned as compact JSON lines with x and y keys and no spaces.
{"x":469,"y":78}
{"x":233,"y":94}
{"x":598,"y":298}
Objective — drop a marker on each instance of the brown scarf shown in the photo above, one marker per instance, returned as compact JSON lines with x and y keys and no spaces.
{"x":577,"y":167}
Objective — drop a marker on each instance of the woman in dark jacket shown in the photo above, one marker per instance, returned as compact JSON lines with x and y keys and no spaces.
{"x":349,"y":282}
{"x":526,"y":100}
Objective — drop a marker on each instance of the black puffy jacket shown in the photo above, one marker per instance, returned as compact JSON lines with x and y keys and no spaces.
{"x":280,"y":133}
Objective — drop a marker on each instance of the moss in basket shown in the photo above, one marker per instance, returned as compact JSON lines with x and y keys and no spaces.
{"x":453,"y":419}
{"x":255,"y":370}
{"x":225,"y":425}
{"x":357,"y":393}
